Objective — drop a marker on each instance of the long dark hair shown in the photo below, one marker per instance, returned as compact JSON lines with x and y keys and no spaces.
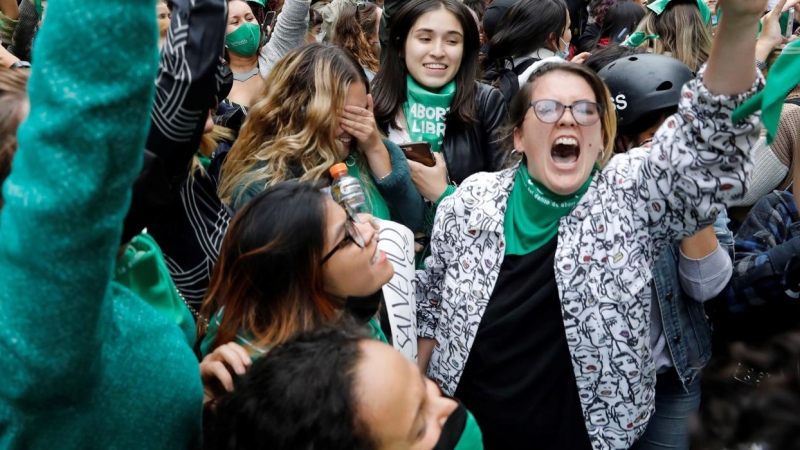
{"x":526,"y":27}
{"x":621,"y":16}
{"x":389,"y":86}
{"x":268,"y":275}
{"x":302,"y":395}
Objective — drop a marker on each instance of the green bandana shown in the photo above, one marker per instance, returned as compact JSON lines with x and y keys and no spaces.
{"x":638,"y":38}
{"x":39,"y":9}
{"x":472,"y":437}
{"x":204,"y":161}
{"x":142,"y":270}
{"x":784,"y":75}
{"x":533,"y":213}
{"x":658,"y":7}
{"x":426,"y":112}
{"x":376,"y":202}
{"x":244,"y":40}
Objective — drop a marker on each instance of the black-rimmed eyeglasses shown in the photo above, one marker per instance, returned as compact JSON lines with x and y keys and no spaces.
{"x":351,"y":234}
{"x":584,"y":112}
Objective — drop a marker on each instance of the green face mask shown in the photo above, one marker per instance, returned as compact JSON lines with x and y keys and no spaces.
{"x":244,"y":41}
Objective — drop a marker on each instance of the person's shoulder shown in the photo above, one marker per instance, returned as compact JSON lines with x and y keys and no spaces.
{"x":485,"y":91}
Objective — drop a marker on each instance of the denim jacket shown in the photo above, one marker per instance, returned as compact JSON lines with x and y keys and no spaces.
{"x":684,"y":321}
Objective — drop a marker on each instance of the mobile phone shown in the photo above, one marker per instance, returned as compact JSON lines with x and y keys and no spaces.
{"x":419,"y":152}
{"x":269,"y":18}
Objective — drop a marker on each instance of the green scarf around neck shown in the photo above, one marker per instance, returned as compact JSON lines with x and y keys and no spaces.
{"x":426,"y":112}
{"x":534,"y":212}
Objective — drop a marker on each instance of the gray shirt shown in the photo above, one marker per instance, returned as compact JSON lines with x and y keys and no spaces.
{"x":290,"y":33}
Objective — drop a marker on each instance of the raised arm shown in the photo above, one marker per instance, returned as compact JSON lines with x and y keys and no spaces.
{"x":700,"y":158}
{"x":290,"y":31}
{"x":187,"y":83}
{"x":69,"y":190}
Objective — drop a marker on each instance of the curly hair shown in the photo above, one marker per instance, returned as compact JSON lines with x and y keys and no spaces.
{"x":13,"y":97}
{"x":352,"y":32}
{"x":290,"y":131}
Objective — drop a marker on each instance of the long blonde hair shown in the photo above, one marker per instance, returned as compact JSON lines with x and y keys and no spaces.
{"x":293,"y":121}
{"x":682,"y":33}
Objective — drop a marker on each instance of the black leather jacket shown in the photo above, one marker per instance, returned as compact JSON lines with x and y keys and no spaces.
{"x":475,"y":148}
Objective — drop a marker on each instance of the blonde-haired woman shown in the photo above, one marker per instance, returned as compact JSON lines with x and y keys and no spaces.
{"x":682,"y":30}
{"x":315,"y":111}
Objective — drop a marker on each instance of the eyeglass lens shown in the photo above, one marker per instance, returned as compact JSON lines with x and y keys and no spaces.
{"x":550,"y":111}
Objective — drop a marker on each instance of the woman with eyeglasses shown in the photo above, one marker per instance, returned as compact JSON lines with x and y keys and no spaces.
{"x":293,"y":260}
{"x":532,"y":307}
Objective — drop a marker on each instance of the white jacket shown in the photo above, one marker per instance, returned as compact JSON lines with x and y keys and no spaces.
{"x":639,"y":203}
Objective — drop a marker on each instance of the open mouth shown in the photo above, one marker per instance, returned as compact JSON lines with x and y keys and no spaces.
{"x":565,"y":150}
{"x":345,"y":140}
{"x":435,"y":66}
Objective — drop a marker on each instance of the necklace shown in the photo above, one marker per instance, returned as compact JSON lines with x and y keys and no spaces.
{"x":245,"y":76}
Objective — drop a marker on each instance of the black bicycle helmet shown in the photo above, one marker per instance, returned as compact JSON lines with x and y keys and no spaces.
{"x":643,"y":84}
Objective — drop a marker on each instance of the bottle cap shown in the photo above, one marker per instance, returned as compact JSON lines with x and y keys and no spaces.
{"x":338,"y":170}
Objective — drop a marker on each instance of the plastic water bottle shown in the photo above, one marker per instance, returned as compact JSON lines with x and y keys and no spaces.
{"x":347,"y":190}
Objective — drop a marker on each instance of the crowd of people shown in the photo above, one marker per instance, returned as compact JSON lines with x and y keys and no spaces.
{"x":596,"y":199}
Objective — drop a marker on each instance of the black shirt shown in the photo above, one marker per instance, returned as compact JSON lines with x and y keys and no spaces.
{"x":518,"y":380}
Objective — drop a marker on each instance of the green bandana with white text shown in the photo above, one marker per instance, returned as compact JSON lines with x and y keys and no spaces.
{"x":426,"y":112}
{"x":534,"y":212}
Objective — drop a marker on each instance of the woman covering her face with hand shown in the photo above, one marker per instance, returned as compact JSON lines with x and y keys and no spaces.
{"x":315,"y":111}
{"x":531,"y":306}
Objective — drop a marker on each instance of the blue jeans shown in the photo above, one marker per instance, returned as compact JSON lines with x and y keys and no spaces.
{"x":669,"y":426}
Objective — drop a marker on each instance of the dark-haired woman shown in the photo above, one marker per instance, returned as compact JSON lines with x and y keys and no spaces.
{"x":333,"y":389}
{"x":529,"y":32}
{"x":532,"y":303}
{"x":426,"y":91}
{"x":620,"y":20}
{"x":292,"y":261}
{"x":251,"y":61}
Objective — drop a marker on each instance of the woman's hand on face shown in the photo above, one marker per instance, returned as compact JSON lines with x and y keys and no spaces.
{"x":431,"y":182}
{"x":217,"y":366}
{"x":360,"y":123}
{"x":580,"y":57}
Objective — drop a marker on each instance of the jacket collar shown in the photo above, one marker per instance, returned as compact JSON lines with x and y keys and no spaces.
{"x":488,"y":212}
